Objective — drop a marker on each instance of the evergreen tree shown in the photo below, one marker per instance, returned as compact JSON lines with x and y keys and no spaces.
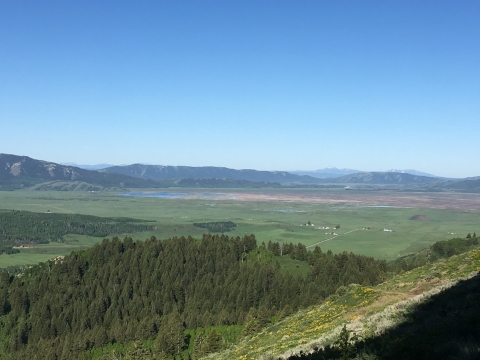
{"x":171,"y":339}
{"x":213,"y":342}
{"x":198,"y":347}
{"x":286,"y":311}
{"x":345,"y":343}
{"x":253,"y":322}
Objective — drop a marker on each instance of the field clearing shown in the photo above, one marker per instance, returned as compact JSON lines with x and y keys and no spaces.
{"x":272,"y":215}
{"x":44,"y":252}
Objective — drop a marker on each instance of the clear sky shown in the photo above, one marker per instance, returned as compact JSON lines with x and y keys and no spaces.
{"x":269,"y":85}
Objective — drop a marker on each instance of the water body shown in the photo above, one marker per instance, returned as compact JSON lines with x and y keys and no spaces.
{"x":387,"y":206}
{"x":172,"y":195}
{"x":163,"y":195}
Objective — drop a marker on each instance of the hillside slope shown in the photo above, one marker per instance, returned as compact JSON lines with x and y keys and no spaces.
{"x":17,"y":172}
{"x":463,"y":185}
{"x":370,"y":312}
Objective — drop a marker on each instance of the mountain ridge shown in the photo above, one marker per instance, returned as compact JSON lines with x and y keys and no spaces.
{"x":328,"y":172}
{"x":90,"y":167}
{"x":17,"y":172}
{"x":167,"y":172}
{"x":412,"y":172}
{"x":382,"y":178}
{"x":20,"y":172}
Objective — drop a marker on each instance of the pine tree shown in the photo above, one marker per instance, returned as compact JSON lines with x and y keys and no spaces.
{"x":67,"y":349}
{"x":100,"y":336}
{"x":213,"y":342}
{"x":171,"y":339}
{"x":286,"y":311}
{"x":263,"y":316}
{"x":198,"y":347}
{"x":252,"y":325}
{"x":137,"y":352}
{"x":345,"y":343}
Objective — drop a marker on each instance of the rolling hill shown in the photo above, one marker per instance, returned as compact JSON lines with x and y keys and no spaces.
{"x":471,"y":185}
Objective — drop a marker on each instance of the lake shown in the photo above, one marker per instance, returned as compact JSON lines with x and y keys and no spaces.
{"x":175,"y":195}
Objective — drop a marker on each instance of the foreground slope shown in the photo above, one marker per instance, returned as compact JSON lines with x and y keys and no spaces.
{"x":373,"y":311}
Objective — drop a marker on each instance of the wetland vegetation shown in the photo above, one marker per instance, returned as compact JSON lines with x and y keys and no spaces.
{"x":274,"y":216}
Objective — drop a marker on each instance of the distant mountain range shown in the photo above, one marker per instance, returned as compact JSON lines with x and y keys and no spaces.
{"x":160,"y":172}
{"x":333,"y":172}
{"x":329,"y":172}
{"x":412,"y":172}
{"x":325,"y":173}
{"x":18,"y":172}
{"x":92,"y":167}
{"x":383,"y":178}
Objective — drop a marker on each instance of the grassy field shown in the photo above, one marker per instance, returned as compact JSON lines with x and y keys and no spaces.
{"x":41,"y":253}
{"x":276,"y":220}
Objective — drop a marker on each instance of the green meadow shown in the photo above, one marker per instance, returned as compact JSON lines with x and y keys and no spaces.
{"x":361,"y":228}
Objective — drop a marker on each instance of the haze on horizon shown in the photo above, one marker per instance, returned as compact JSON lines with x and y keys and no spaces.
{"x":275,"y":85}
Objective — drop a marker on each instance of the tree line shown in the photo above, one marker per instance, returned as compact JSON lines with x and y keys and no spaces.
{"x":217,"y":226}
{"x":41,"y":228}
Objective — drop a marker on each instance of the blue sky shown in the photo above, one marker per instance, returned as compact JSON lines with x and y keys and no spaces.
{"x":270,"y":85}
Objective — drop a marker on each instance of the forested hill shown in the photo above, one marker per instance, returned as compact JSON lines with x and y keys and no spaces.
{"x":159,"y":172}
{"x":119,"y":291}
{"x":18,"y":172}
